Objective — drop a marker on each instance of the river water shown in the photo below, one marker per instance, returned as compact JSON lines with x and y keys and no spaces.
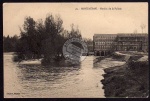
{"x":36,"y":81}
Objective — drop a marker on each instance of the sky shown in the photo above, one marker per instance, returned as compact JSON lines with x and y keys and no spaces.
{"x":102,"y":19}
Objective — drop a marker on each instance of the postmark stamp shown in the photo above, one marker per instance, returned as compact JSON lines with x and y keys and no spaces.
{"x":75,"y":50}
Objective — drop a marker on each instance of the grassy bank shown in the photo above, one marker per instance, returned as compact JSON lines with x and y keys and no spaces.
{"x":128,"y":80}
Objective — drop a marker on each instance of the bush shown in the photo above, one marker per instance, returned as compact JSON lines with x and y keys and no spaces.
{"x":16,"y":59}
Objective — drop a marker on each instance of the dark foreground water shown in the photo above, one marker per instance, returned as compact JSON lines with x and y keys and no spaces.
{"x":36,"y":81}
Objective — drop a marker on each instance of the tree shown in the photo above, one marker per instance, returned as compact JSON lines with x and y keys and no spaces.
{"x":9,"y":43}
{"x":44,"y":39}
{"x":89,"y":43}
{"x":52,"y":44}
{"x":27,"y":45}
{"x":143,"y":27}
{"x":74,"y":33}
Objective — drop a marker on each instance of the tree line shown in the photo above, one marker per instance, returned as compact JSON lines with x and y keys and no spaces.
{"x":42,"y":39}
{"x":9,"y":43}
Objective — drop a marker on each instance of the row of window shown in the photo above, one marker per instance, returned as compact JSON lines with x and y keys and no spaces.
{"x":120,"y":38}
{"x":127,"y":44}
{"x":103,"y":43}
{"x":103,"y":47}
{"x":124,"y":48}
{"x":97,"y":40}
{"x":133,"y":39}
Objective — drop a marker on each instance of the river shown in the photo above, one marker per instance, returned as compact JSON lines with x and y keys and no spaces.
{"x":36,"y":81}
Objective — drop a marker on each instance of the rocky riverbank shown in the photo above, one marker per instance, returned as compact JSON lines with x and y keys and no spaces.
{"x":128,"y":78}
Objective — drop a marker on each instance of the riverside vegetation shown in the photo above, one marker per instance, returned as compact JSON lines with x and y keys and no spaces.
{"x":42,"y":40}
{"x":128,"y":80}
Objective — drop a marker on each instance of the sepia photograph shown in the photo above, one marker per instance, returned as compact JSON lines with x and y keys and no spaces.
{"x":75,"y":50}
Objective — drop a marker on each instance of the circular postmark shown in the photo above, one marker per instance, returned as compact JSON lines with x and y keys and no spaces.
{"x":75,"y":50}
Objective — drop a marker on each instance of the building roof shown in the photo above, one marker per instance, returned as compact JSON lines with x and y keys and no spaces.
{"x":123,"y":34}
{"x":104,"y":34}
{"x":132,"y":34}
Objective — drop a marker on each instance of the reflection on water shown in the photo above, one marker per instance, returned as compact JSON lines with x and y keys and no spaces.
{"x":46,"y":82}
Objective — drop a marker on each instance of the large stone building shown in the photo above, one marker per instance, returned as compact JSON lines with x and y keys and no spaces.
{"x":132,"y":42}
{"x":104,"y":44}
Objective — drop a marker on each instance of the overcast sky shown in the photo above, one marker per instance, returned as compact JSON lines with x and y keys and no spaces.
{"x":90,"y":22}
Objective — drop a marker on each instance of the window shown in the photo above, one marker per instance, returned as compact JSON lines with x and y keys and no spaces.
{"x":96,"y":43}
